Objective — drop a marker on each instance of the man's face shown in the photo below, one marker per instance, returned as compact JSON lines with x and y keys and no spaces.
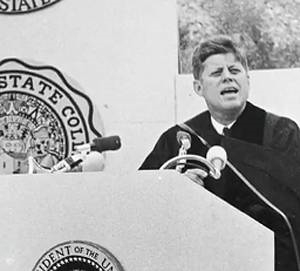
{"x":224,"y":84}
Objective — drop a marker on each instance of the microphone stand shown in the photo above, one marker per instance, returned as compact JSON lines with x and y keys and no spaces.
{"x":180,"y":165}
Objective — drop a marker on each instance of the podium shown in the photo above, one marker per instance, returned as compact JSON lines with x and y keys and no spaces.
{"x":147,"y":220}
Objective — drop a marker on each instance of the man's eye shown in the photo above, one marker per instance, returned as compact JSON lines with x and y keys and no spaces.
{"x":235,"y":71}
{"x":216,"y":73}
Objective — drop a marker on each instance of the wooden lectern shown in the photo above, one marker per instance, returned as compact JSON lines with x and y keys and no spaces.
{"x":147,"y":220}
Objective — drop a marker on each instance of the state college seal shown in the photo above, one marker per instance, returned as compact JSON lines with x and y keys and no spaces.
{"x":24,"y":6}
{"x":78,"y":256}
{"x":42,"y":116}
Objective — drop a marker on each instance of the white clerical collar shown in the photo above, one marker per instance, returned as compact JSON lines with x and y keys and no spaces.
{"x":219,"y":127}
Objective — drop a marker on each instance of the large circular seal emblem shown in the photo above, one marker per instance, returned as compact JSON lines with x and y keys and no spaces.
{"x":41,"y":116}
{"x":11,"y":7}
{"x":78,"y":256}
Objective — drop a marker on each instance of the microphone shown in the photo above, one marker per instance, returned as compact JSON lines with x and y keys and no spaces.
{"x":68,"y":163}
{"x":100,"y":144}
{"x":184,"y":139}
{"x":94,"y":161}
{"x":217,"y":156}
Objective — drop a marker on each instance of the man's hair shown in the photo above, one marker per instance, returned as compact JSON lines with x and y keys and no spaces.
{"x":212,"y":46}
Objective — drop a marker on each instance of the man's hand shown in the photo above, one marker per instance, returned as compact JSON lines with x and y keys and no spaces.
{"x":196,"y":175}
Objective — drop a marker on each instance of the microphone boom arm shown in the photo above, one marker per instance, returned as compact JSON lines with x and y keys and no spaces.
{"x":213,"y":171}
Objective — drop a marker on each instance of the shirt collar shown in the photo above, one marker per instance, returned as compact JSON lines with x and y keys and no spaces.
{"x":219,"y":127}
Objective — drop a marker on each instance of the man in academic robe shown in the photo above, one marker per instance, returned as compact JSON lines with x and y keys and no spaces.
{"x":264,"y":148}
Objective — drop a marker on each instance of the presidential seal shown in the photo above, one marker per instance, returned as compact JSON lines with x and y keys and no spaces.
{"x":24,"y":6}
{"x":42,"y":116}
{"x":78,"y":256}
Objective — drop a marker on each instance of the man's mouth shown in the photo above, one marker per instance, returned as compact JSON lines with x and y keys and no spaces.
{"x":229,"y":90}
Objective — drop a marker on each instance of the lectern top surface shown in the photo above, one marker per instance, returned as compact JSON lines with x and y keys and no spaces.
{"x":145,"y":219}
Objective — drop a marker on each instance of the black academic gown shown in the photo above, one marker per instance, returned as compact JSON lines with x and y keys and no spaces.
{"x":266,"y":150}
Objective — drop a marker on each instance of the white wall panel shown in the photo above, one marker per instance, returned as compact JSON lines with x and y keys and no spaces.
{"x":123,"y":54}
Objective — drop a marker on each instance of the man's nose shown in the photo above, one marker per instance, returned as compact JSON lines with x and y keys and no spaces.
{"x":226,"y":75}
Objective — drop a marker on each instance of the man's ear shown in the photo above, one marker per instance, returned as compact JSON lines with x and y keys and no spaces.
{"x":198,"y":88}
{"x":248,"y":78}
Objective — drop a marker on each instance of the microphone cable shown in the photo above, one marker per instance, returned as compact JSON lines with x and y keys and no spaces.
{"x":187,"y":128}
{"x":272,"y":206}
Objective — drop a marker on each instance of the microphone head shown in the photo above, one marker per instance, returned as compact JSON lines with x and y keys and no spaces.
{"x":109,"y":143}
{"x":184,"y":138}
{"x":94,"y":161}
{"x":217,"y":156}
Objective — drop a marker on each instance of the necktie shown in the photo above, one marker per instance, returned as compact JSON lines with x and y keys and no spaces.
{"x":226,"y":131}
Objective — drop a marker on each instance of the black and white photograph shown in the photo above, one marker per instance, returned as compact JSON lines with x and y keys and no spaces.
{"x":150,"y":135}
